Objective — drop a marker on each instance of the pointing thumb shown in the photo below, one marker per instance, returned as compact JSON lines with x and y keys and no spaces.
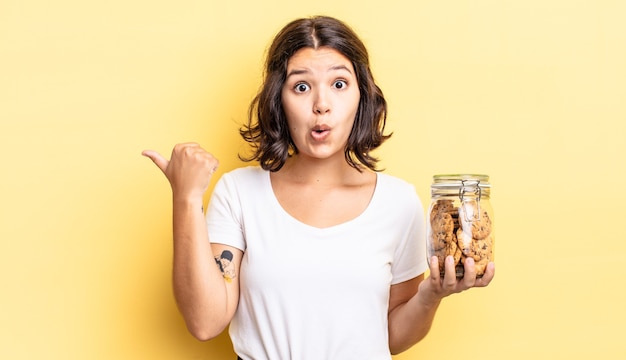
{"x":159,"y":160}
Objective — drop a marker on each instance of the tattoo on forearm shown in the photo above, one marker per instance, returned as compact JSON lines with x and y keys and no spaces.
{"x":225,"y":262}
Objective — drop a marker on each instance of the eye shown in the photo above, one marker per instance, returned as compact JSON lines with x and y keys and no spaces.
{"x":301,"y":87}
{"x":340,"y":84}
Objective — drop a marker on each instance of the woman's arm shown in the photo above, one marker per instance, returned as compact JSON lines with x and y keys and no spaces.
{"x":403,"y":333}
{"x":205,"y":297}
{"x":413,"y":303}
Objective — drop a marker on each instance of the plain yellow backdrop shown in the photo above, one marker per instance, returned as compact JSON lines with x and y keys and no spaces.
{"x":531,"y":92}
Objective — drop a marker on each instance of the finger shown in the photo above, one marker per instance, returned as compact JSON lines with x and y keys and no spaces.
{"x":188,"y":147}
{"x":449,"y":277}
{"x":157,"y":159}
{"x":490,"y":272}
{"x":187,"y":144}
{"x":469,"y":277}
{"x":434,"y":268}
{"x":195,"y":151}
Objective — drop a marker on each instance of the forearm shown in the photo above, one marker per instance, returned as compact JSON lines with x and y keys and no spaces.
{"x":199,"y":286}
{"x":410,"y":322}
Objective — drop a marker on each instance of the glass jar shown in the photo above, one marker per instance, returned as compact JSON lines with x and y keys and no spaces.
{"x":460,"y":221}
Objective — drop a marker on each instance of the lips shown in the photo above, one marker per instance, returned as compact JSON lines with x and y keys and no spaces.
{"x":320,"y":132}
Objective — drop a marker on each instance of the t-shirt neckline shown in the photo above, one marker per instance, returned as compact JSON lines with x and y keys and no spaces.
{"x":284,"y":213}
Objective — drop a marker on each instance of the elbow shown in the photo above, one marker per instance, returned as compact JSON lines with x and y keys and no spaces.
{"x":396,"y":349}
{"x":399,"y":351}
{"x":204,"y":325}
{"x":400,"y":346}
{"x":205,"y":332}
{"x":202,"y":335}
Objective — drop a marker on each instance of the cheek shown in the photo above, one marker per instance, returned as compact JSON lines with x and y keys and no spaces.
{"x":291,"y":112}
{"x":351,"y":102}
{"x":353,"y":109}
{"x":357,"y":101}
{"x":293,"y":129}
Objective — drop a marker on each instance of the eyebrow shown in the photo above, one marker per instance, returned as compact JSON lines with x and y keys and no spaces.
{"x":306,"y":71}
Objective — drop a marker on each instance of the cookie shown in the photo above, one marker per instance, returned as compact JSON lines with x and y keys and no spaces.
{"x":464,"y":241}
{"x":481,"y":249}
{"x":470,"y":219}
{"x":481,"y":266}
{"x":451,"y":249}
{"x":441,"y":206}
{"x":441,"y":240}
{"x":442,"y":231}
{"x":455,"y":251}
{"x":442,"y":223}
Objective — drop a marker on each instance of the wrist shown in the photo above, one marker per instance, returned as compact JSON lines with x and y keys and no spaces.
{"x":427,"y":298}
{"x":188,"y":202}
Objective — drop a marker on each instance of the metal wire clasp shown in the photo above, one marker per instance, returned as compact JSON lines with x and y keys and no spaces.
{"x":470,"y":193}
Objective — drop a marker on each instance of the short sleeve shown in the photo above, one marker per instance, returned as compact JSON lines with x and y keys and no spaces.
{"x":410,"y":258}
{"x":224,"y":215}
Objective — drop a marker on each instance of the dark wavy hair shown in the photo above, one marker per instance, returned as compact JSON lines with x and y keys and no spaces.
{"x":267,"y":130}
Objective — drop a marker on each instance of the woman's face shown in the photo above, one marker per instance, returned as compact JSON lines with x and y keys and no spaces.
{"x":320,"y":98}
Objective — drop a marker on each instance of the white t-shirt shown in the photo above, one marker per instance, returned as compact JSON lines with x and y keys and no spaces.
{"x":316,"y":293}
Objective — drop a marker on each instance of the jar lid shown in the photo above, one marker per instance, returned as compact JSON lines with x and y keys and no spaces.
{"x":449,"y":184}
{"x":460,"y":177}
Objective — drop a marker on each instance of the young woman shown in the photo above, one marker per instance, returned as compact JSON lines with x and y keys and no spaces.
{"x":313,"y":254}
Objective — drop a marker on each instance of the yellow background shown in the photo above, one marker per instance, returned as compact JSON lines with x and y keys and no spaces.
{"x":530,"y":92}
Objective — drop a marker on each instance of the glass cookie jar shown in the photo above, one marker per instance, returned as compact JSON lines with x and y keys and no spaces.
{"x":460,"y":221}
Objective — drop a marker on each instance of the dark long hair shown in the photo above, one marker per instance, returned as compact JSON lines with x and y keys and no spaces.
{"x":267,"y":130}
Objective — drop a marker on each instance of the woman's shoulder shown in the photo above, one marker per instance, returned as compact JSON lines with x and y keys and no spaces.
{"x":242,"y":181}
{"x":393,"y":182}
{"x":396,"y":195}
{"x":246,"y":173}
{"x":396,"y":188}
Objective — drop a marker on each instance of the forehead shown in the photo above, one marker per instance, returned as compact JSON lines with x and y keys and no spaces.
{"x":322,"y":57}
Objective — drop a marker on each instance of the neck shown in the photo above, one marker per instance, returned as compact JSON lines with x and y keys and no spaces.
{"x":320,"y":171}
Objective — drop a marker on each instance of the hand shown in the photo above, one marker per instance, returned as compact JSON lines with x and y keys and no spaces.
{"x":435,"y":288}
{"x":189,"y":169}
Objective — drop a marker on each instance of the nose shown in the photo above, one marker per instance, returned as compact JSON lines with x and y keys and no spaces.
{"x":322,"y":104}
{"x":321,"y":110}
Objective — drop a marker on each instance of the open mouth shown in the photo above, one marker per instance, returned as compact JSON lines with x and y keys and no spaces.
{"x":321,"y":128}
{"x":320,"y":132}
